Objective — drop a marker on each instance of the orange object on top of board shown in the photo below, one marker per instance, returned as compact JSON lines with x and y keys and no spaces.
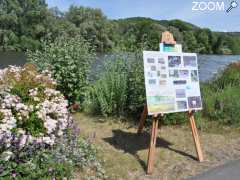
{"x":167,"y":38}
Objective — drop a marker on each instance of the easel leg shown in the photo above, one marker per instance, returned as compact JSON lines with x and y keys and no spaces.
{"x":142,"y":119}
{"x":195,"y":136}
{"x":152,"y":146}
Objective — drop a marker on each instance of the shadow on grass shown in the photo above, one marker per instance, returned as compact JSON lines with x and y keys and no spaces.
{"x":132,"y":143}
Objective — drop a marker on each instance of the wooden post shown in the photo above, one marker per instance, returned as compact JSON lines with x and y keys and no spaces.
{"x":195,"y":136}
{"x":142,"y":119}
{"x":152,"y":145}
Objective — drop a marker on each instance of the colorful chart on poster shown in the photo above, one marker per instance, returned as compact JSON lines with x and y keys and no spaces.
{"x":171,"y":81}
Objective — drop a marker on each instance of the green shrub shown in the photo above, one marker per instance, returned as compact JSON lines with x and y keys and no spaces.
{"x":71,"y":154}
{"x":228,"y":77}
{"x":109,"y":93}
{"x":223,"y":106}
{"x":119,"y":90}
{"x":69,"y":61}
{"x":208,"y":99}
{"x":136,"y":97}
{"x":175,"y":118}
{"x":221,"y":97}
{"x":41,"y":165}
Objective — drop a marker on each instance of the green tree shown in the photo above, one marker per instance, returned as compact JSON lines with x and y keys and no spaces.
{"x":203,"y":41}
{"x":93,"y":26}
{"x":23,"y":24}
{"x":69,"y":60}
{"x":190,"y":42}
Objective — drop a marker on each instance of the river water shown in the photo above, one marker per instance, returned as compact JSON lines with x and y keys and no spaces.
{"x":209,"y":65}
{"x":12,"y":58}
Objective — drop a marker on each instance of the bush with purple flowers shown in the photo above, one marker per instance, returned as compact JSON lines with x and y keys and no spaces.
{"x":37,"y":138}
{"x":31,"y":109}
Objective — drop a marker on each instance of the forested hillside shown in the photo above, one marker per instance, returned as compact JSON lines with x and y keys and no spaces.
{"x":24,"y":24}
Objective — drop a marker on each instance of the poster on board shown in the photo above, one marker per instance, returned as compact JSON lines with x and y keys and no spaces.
{"x":170,"y":48}
{"x":171,"y":81}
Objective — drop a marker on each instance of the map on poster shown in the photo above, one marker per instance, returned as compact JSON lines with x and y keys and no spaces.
{"x":172,"y":82}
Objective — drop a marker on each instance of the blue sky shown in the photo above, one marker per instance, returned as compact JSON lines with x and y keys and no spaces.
{"x":162,"y":9}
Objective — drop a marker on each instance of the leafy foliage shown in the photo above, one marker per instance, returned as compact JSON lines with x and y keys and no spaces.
{"x":59,"y":162}
{"x":120,"y":88}
{"x":93,"y":25}
{"x":23,"y":24}
{"x":221,"y":97}
{"x":69,"y":61}
{"x":27,"y":78}
{"x":33,"y":125}
{"x":109,"y":93}
{"x":135,"y":31}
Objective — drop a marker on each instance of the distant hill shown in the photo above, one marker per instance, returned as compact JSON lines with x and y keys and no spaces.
{"x":140,"y":32}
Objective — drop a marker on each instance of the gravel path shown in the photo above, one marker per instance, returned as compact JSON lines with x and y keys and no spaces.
{"x":229,"y":171}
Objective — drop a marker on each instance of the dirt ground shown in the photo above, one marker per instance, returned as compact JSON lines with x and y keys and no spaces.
{"x":125,"y":152}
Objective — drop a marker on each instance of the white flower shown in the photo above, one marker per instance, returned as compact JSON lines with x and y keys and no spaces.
{"x":23,"y":141}
{"x":21,"y":131}
{"x":6,"y":155}
{"x":52,"y":111}
{"x":36,"y":99}
{"x":48,"y":140}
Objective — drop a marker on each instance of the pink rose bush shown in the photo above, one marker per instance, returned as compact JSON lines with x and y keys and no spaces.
{"x":31,"y":109}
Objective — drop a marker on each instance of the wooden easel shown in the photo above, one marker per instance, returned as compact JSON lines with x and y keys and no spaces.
{"x":153,"y":138}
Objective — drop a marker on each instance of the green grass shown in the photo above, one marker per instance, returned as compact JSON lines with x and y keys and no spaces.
{"x":125,"y":153}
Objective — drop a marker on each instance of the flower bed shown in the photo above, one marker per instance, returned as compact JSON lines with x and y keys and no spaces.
{"x":38,"y":139}
{"x":31,"y":110}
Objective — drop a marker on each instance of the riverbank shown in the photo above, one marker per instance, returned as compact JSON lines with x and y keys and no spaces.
{"x":209,"y":65}
{"x":125,"y":153}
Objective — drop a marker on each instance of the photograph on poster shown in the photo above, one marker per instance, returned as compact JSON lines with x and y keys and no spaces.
{"x":170,"y":48}
{"x":163,"y":67}
{"x":193,"y":90}
{"x":188,"y":87}
{"x":150,"y":60}
{"x":180,"y":93}
{"x":183,"y":73}
{"x":152,"y":74}
{"x":163,"y":76}
{"x":162,"y":82}
{"x":194,"y":102}
{"x":181,"y":105}
{"x":152,"y":81}
{"x":174,"y":61}
{"x":161,"y":61}
{"x":194,"y":76}
{"x":153,"y":68}
{"x":160,"y":103}
{"x":173,"y":73}
{"x":179,"y":82}
{"x":190,"y":61}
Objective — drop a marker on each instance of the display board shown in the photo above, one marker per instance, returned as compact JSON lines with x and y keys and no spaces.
{"x":171,"y":81}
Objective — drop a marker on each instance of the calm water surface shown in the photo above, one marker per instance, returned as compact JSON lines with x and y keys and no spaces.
{"x":12,"y":58}
{"x":209,"y":65}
